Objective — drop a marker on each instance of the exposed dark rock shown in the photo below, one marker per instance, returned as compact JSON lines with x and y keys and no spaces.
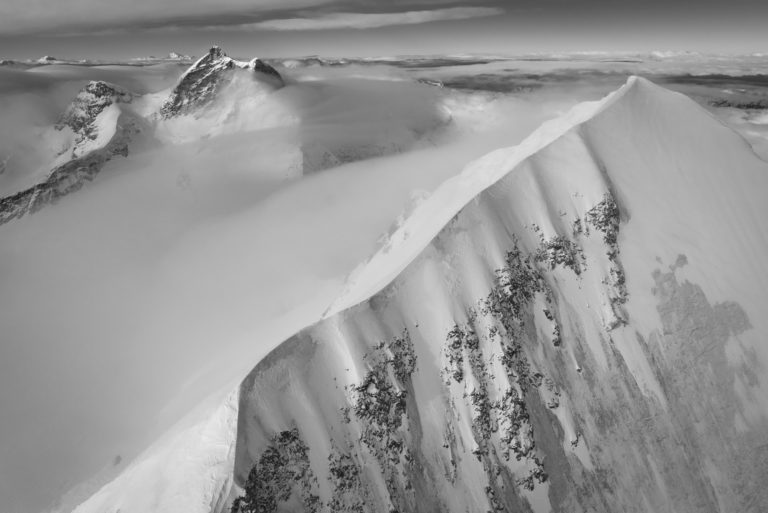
{"x":348,"y":491}
{"x":605,"y":217}
{"x":516,"y":285}
{"x":561,"y":251}
{"x":282,"y":470}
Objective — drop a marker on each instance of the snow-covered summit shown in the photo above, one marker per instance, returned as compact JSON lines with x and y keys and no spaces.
{"x":199,"y":85}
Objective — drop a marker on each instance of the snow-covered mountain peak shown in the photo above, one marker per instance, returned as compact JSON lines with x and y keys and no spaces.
{"x":199,"y":85}
{"x":93,"y":114}
{"x":92,"y":130}
{"x":569,"y":325}
{"x":91,"y":101}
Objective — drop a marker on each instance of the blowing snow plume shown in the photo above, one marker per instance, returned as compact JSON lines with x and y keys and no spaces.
{"x":556,"y":329}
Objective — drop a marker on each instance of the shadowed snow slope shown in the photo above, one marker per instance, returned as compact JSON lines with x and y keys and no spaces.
{"x":573,"y":324}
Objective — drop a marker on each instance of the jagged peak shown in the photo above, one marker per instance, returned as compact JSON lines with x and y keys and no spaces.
{"x":216,"y":52}
{"x":199,"y":84}
{"x":91,"y":101}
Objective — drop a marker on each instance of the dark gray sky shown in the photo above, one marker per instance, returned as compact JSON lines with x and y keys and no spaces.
{"x":111,"y":28}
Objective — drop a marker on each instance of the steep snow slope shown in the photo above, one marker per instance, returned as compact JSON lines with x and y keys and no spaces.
{"x":573,"y":324}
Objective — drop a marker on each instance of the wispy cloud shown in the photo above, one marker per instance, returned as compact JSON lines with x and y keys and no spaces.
{"x":57,"y":16}
{"x":350,"y":20}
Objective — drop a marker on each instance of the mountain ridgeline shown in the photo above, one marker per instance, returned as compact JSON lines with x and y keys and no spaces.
{"x":575,"y":324}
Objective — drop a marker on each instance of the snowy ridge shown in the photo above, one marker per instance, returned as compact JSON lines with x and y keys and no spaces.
{"x":433,"y":214}
{"x":573,"y":324}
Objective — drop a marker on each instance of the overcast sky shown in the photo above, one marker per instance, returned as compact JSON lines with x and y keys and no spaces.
{"x":111,"y":28}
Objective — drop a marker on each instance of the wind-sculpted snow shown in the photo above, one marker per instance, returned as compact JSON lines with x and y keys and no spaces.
{"x":573,"y":324}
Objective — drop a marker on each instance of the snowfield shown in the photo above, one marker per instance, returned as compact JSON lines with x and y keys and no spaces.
{"x":575,"y":323}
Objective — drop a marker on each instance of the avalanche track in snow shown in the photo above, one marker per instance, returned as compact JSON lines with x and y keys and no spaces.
{"x":573,"y":324}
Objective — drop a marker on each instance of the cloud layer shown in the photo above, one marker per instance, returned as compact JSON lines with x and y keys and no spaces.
{"x":349,"y":20}
{"x":18,"y":17}
{"x":53,"y":16}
